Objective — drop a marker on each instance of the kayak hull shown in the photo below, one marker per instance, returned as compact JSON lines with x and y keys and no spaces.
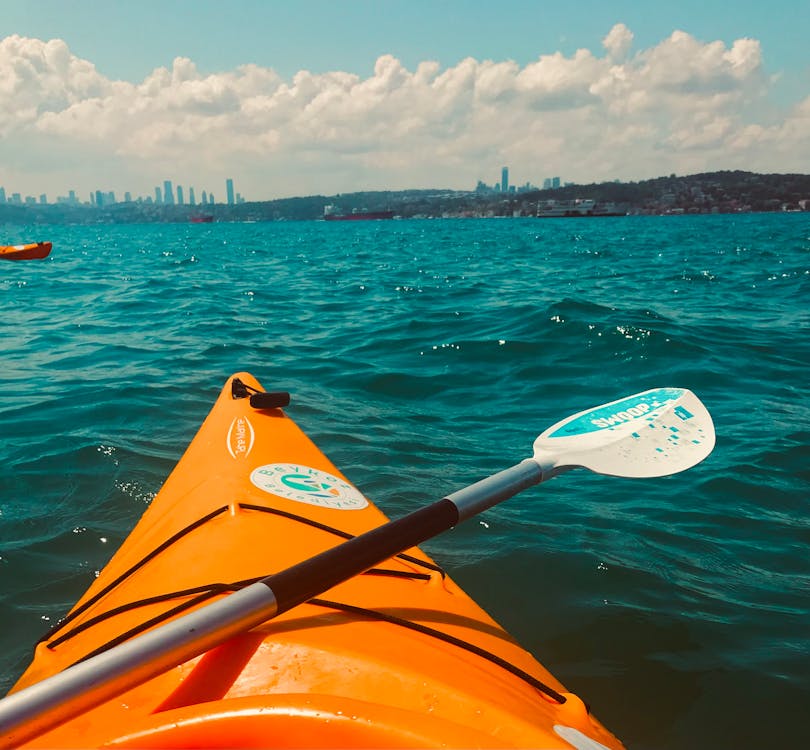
{"x":31,"y":251}
{"x":397,"y":657}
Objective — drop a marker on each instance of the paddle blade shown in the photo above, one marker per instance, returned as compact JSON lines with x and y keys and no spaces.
{"x":658,"y":432}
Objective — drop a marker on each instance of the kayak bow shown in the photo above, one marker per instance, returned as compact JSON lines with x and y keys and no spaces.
{"x":398,"y":656}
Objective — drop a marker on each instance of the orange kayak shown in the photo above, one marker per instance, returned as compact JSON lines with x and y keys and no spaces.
{"x":31,"y":251}
{"x":398,"y":656}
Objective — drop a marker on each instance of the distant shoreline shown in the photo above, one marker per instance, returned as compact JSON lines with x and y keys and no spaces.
{"x":726,"y":192}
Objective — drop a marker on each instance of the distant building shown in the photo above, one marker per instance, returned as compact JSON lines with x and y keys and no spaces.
{"x":128,"y":196}
{"x":191,"y":200}
{"x":43,"y":199}
{"x":505,"y":179}
{"x":179,"y":195}
{"x":168,"y":193}
{"x":2,"y":195}
{"x":555,"y":182}
{"x":158,"y":198}
{"x":99,"y":198}
{"x":229,"y":190}
{"x":204,"y":198}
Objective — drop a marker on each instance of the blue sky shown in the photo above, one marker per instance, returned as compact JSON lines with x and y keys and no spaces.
{"x":129,"y":41}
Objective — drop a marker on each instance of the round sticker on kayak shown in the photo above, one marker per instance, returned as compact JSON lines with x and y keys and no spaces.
{"x":306,"y":485}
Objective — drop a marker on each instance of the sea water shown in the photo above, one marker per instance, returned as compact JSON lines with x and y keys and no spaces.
{"x":422,"y":356}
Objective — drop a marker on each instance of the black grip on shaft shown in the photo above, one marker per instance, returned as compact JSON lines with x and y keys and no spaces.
{"x":312,"y":577}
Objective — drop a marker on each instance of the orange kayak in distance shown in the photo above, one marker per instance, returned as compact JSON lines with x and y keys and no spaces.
{"x":398,"y":656}
{"x":31,"y":251}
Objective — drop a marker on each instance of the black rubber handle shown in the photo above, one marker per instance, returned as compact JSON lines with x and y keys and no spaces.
{"x":272,"y":400}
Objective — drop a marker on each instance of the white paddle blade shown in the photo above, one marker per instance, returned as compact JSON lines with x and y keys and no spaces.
{"x":658,"y":432}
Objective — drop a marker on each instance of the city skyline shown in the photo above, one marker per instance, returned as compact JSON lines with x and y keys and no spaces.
{"x":100,"y":197}
{"x":372,"y":101}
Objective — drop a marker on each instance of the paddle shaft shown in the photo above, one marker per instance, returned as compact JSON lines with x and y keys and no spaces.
{"x":34,"y":710}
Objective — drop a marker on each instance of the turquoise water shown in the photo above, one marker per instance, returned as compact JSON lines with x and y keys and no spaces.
{"x":421,"y":356}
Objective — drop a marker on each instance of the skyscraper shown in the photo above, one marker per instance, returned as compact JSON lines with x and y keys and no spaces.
{"x":158,"y":197}
{"x":505,"y":179}
{"x":168,"y":193}
{"x":229,"y":190}
{"x":179,"y":195}
{"x":191,"y":197}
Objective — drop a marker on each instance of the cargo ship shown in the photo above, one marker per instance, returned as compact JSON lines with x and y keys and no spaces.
{"x":580,"y":207}
{"x":329,"y":214}
{"x":201,"y":218}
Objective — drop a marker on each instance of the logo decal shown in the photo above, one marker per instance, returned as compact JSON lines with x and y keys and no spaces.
{"x":307,"y":485}
{"x":240,"y":437}
{"x":647,"y":405}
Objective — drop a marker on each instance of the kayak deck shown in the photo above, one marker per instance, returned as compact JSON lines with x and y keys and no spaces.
{"x":399,"y":656}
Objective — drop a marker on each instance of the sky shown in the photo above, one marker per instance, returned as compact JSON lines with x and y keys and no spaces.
{"x":305,"y":97}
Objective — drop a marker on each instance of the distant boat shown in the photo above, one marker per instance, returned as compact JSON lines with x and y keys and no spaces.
{"x":581,"y":207}
{"x":30,"y":251}
{"x":356,"y":215}
{"x":201,"y":218}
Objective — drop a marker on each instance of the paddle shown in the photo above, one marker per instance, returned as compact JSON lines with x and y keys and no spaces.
{"x":655,"y":433}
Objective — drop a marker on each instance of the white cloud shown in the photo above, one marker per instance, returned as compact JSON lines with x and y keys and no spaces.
{"x":39,"y":77}
{"x":681,"y":105}
{"x":618,"y":42}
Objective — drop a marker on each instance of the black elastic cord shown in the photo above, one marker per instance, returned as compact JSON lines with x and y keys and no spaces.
{"x":444,"y":637}
{"x":201,"y":594}
{"x":336,"y":532}
{"x":351,"y":609}
{"x":207,"y":590}
{"x":146,"y":601}
{"x":129,"y":571}
{"x":188,"y":529}
{"x":157,"y":620}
